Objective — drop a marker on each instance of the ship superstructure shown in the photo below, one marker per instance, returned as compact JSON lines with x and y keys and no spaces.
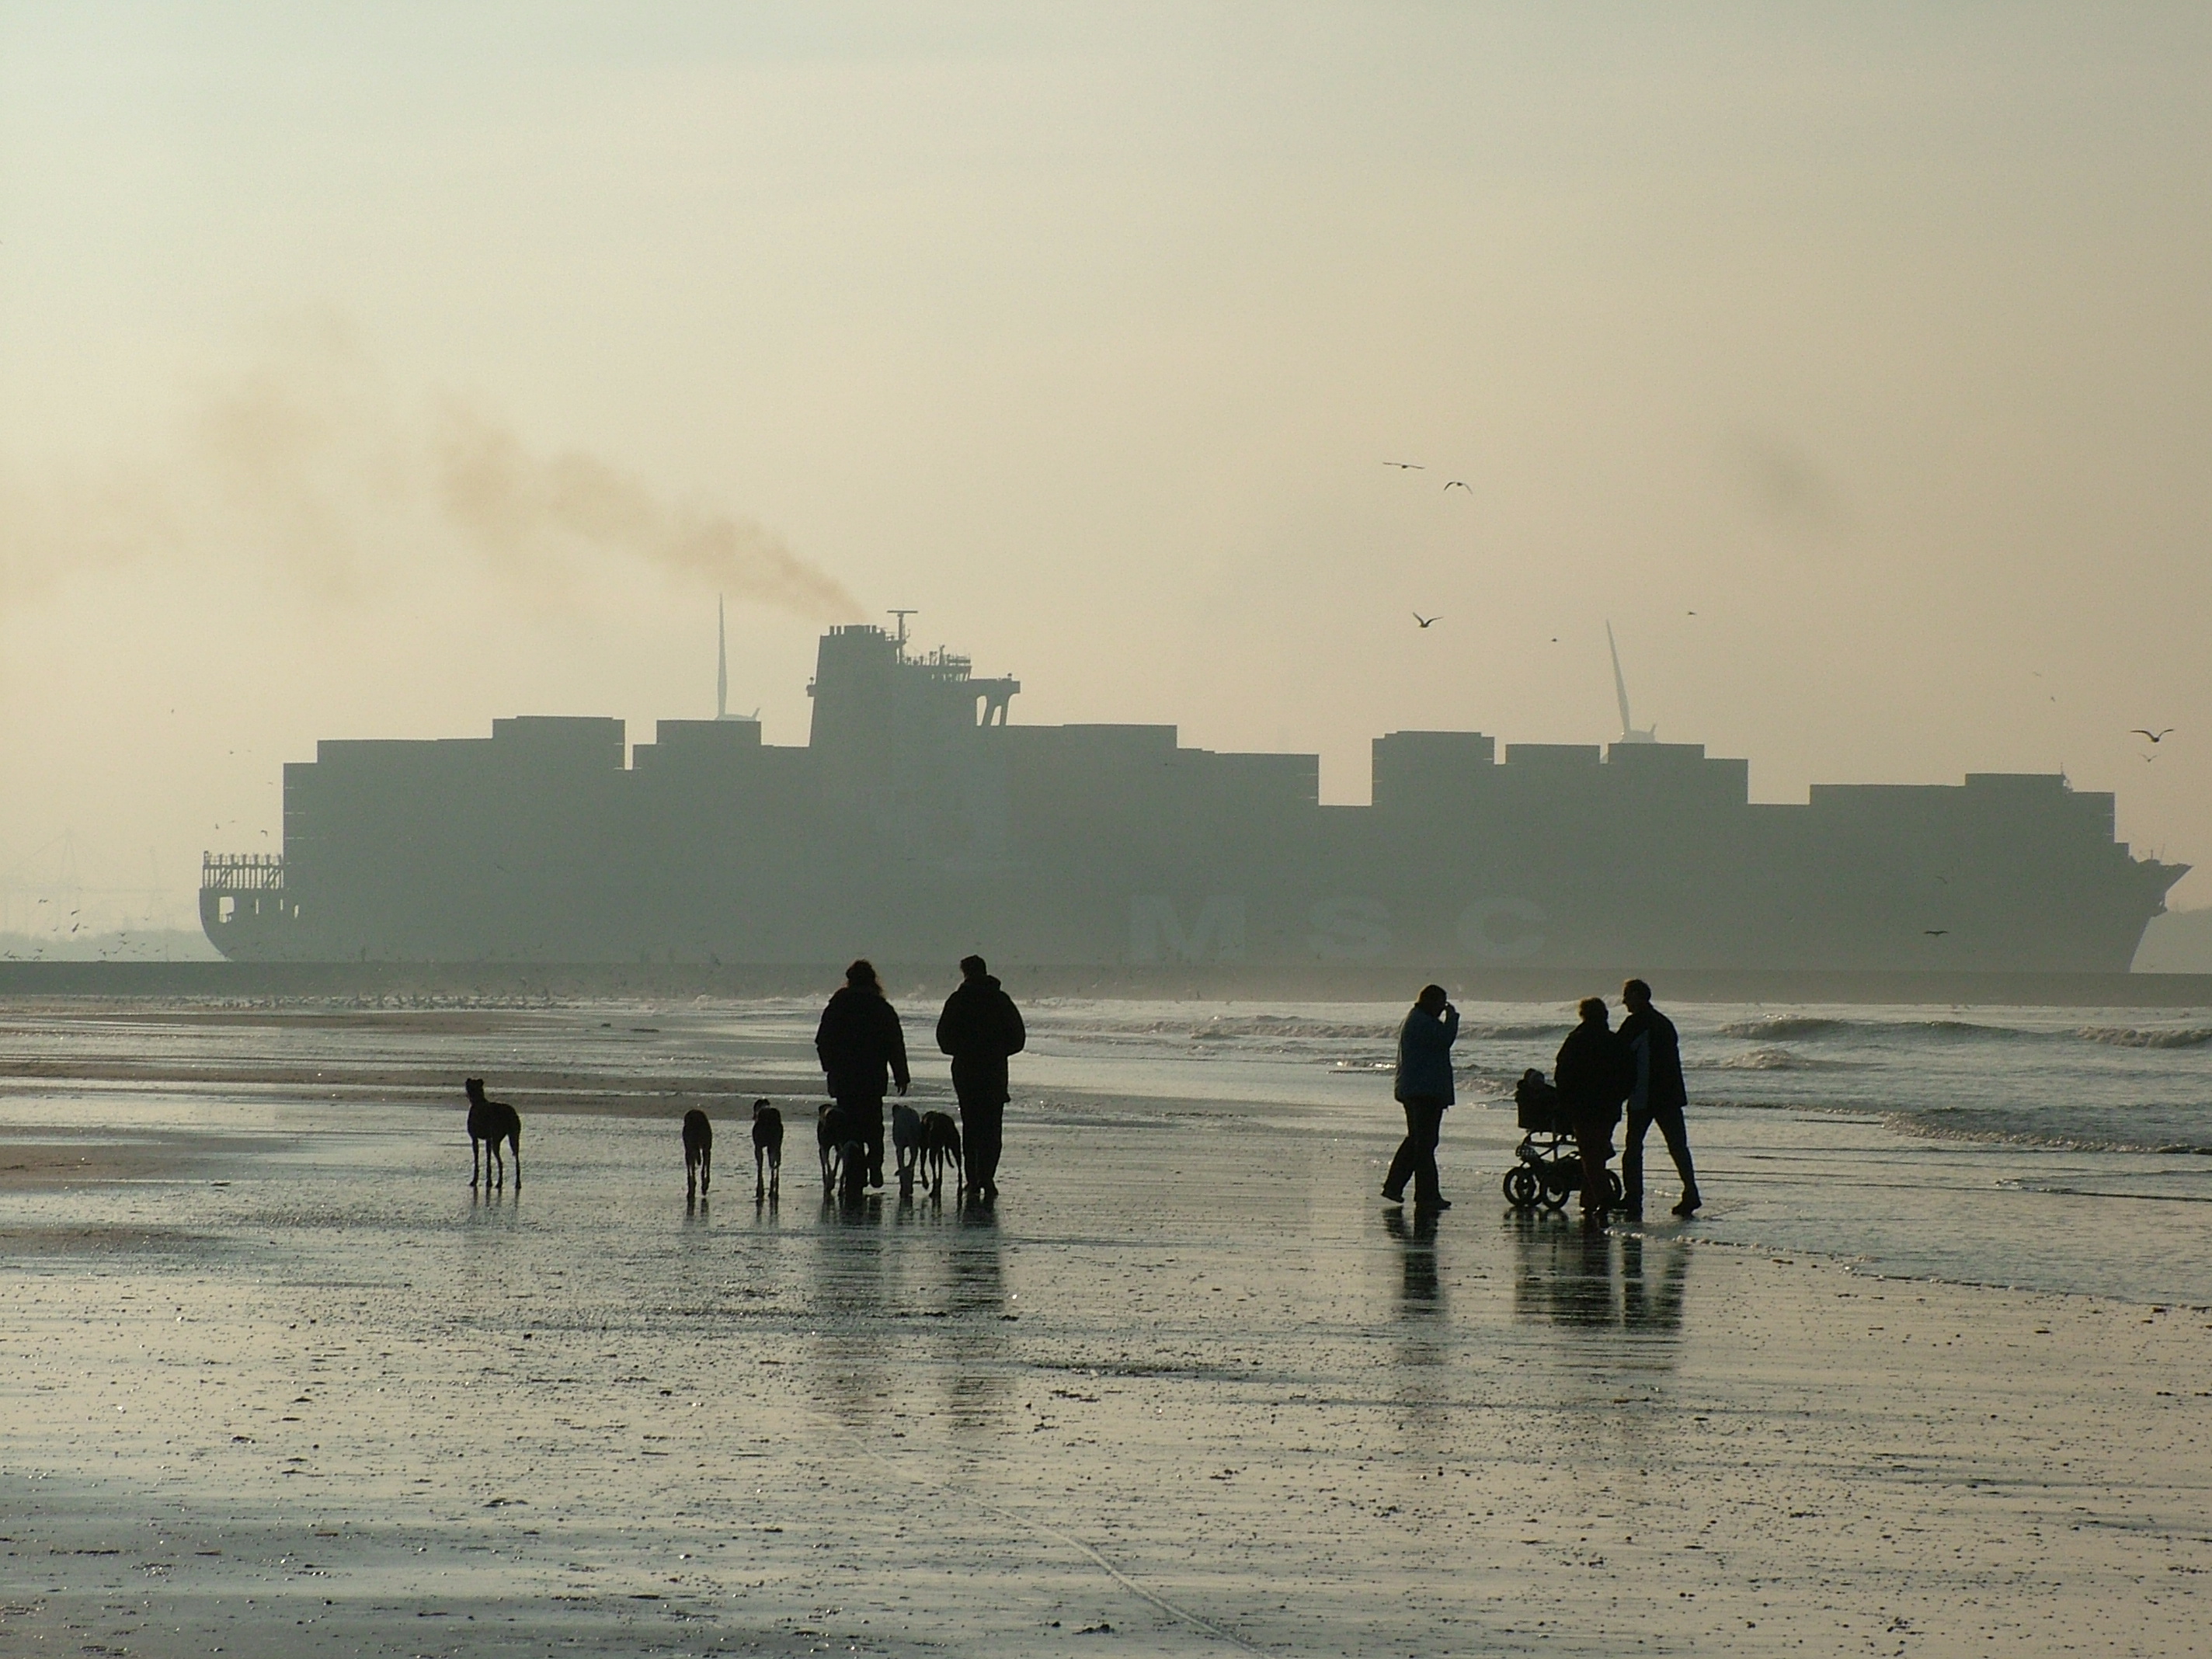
{"x":918,"y":823}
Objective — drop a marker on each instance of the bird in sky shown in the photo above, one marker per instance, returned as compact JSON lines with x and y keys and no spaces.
{"x":1407,"y":466}
{"x":2156,"y":737}
{"x":1934,"y":933}
{"x":1426,"y":621}
{"x":1460,"y":484}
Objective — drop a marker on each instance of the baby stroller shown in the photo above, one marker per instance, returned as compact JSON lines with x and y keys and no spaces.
{"x":1551,"y":1167}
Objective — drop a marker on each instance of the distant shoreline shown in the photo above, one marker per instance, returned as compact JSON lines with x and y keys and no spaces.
{"x":1209,"y":982}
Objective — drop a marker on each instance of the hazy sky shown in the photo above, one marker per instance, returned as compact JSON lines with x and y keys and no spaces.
{"x":381,"y":370}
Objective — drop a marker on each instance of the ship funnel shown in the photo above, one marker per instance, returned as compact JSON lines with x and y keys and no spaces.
{"x":1628,"y":732}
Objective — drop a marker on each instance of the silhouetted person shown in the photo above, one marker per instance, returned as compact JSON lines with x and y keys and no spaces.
{"x":979,"y":1028}
{"x":1424,"y":1090}
{"x":1593,"y":1074}
{"x":862,"y":1048}
{"x":1658,"y":1096}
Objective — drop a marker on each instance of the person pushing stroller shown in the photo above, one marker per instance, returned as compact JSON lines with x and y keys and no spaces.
{"x":1594,"y":1074}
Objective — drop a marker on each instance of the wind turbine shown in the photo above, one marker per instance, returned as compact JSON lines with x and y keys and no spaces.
{"x":1628,"y":732}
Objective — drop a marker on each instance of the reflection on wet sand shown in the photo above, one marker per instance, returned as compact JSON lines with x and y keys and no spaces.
{"x":1423,"y":1380}
{"x":850,"y":1370}
{"x":493,"y":1212}
{"x":1420,"y":1294}
{"x":977,"y":1387}
{"x":1568,"y":1274}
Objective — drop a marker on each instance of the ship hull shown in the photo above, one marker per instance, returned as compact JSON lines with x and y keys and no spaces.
{"x":909,"y":830}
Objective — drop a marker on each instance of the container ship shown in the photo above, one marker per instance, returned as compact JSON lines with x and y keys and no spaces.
{"x":918,"y":824}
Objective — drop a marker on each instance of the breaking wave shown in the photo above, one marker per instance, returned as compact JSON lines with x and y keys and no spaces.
{"x":2054,"y":1132}
{"x":1783,"y":1028}
{"x":1766,"y":1060}
{"x":2129,"y":1037}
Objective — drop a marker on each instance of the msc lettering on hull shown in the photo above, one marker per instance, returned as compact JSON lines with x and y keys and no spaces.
{"x":1349,"y":929}
{"x":1157,"y":933}
{"x":1502,"y":929}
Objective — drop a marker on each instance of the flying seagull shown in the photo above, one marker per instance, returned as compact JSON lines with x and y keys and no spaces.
{"x":1934,"y":933}
{"x":1460,"y":484}
{"x":1407,"y":466}
{"x":1426,"y":621}
{"x":2156,"y":737}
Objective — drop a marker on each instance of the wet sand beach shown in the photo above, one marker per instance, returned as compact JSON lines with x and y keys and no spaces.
{"x":274,"y":1381}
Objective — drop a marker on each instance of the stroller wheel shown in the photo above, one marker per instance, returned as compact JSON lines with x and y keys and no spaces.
{"x":1522,"y":1189}
{"x":1617,"y":1194}
{"x":1555,"y":1198}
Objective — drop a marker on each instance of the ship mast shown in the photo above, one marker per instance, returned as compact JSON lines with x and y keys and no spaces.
{"x":901,"y":616}
{"x":721,"y":662}
{"x":1628,"y":732}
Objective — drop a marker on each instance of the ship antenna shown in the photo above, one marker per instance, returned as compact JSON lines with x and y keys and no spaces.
{"x":1628,"y":732}
{"x":901,"y":616}
{"x":721,"y":662}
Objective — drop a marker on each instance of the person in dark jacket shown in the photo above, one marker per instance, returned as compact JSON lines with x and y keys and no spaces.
{"x":1593,"y":1074}
{"x":1658,"y":1097}
{"x":1424,"y":1090}
{"x":862,"y":1047}
{"x":979,"y":1028}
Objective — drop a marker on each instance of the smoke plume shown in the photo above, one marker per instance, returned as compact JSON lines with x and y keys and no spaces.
{"x":518,"y":509}
{"x":306,"y":462}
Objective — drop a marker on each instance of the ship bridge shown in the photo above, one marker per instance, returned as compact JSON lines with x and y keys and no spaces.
{"x":244,"y":900}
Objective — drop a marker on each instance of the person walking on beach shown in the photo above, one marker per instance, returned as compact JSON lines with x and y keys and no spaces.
{"x":1593,"y":1074}
{"x":862,"y":1047}
{"x":1658,"y":1097}
{"x":979,"y":1028}
{"x":1424,"y":1090}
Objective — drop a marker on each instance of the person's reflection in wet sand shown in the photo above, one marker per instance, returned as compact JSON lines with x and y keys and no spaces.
{"x":1575,"y":1276}
{"x":1421,"y":1372}
{"x":1653,"y":1303}
{"x":976,"y":1379}
{"x":1420,"y":1294}
{"x":849,"y":1369}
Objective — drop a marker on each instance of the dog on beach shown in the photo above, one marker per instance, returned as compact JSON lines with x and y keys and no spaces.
{"x":853,"y":1172}
{"x":491,"y":1121}
{"x":844,"y":1156}
{"x":698,"y":1154}
{"x":906,"y":1144}
{"x":940,"y":1143}
{"x":768,"y":1150}
{"x":829,"y":1142}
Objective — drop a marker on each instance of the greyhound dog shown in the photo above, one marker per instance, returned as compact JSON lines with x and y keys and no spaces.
{"x":853,"y":1173}
{"x":491,"y":1121}
{"x":906,"y":1144}
{"x":698,"y":1154}
{"x":829,"y":1142}
{"x":940,"y":1142}
{"x":768,"y":1150}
